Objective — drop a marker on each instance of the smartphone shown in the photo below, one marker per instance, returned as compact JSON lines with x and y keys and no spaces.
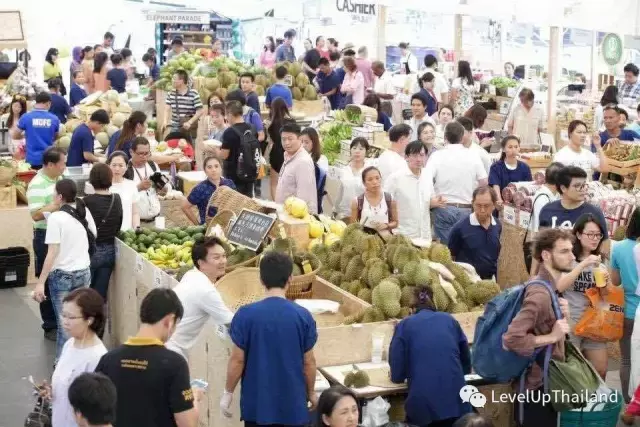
{"x":197,"y":383}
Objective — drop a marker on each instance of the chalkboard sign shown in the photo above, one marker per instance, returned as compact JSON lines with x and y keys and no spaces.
{"x":250,"y":229}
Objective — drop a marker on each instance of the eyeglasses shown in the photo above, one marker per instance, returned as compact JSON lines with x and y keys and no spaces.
{"x":68,"y":317}
{"x":593,"y":236}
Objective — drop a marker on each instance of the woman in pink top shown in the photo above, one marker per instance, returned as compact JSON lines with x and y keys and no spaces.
{"x":353,"y":83}
{"x":100,"y":82}
{"x":268,"y":55}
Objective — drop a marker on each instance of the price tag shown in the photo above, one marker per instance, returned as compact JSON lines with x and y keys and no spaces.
{"x":509,"y":213}
{"x":221,"y":331}
{"x":524,"y":219}
{"x":157,"y":278}
{"x":139,"y":263}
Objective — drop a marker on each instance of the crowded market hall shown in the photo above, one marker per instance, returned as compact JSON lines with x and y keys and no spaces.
{"x":320,"y":214}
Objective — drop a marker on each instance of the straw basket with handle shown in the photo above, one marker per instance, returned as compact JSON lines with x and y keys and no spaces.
{"x":240,"y":287}
{"x":301,"y":286}
{"x":7,"y":172}
{"x":222,"y":218}
{"x":225,"y":198}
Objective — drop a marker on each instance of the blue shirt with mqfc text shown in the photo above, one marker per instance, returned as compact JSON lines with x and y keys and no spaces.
{"x":274,"y":334}
{"x":81,"y":141}
{"x":40,"y":128}
{"x":554,"y":215}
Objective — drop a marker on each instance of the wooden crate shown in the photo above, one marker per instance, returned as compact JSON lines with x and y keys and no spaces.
{"x":624,"y":164}
{"x":295,"y":228}
{"x":8,"y":197}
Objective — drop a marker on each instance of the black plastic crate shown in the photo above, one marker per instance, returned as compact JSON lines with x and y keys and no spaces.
{"x":14,"y":267}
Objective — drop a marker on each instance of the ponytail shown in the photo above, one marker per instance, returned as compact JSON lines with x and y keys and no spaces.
{"x":81,"y":208}
{"x":128,"y":132}
{"x":503,"y":156}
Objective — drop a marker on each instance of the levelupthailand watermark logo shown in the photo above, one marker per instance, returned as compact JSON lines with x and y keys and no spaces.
{"x":470,"y":394}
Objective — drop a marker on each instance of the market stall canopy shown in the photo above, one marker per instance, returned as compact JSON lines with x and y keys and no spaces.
{"x":12,"y":34}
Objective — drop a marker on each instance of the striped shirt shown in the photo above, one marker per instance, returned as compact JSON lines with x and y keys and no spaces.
{"x":39,"y":194}
{"x":183,"y":106}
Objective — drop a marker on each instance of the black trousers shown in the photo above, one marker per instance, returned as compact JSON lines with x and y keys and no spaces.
{"x":49,"y":320}
{"x":536,"y":414}
{"x":245,"y":188}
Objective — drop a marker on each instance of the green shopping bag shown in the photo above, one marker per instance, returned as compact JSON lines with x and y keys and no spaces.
{"x":572,"y":382}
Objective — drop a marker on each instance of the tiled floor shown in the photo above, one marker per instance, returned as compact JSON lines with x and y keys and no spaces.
{"x":24,"y":352}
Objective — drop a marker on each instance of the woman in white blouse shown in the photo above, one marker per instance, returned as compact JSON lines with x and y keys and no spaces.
{"x":351,"y":185}
{"x":126,"y":188}
{"x":374,"y":208}
{"x":462,"y":89}
{"x":311,"y":142}
{"x":83,"y":320}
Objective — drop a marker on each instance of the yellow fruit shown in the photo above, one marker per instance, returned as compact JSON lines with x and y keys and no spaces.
{"x":288,"y":203}
{"x":299,"y":208}
{"x":188,"y":243}
{"x":331,"y":238}
{"x":315,"y":229}
{"x":337,"y":228}
{"x":190,"y":263}
{"x":162,"y":146}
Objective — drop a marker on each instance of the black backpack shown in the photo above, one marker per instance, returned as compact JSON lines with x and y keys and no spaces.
{"x":248,"y":155}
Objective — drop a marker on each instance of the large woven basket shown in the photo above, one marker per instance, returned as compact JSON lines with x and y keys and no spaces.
{"x":7,"y":173}
{"x":222,"y":219}
{"x":251,"y":262}
{"x":240,"y":287}
{"x":225,"y":198}
{"x":301,"y":286}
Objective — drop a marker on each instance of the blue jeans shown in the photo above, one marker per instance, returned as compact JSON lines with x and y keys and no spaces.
{"x":49,"y":320}
{"x":445,"y":218}
{"x":102,"y":263}
{"x":61,"y":284}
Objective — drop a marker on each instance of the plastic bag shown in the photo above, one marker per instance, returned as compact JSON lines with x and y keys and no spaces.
{"x":375,"y":413}
{"x":603,"y":320}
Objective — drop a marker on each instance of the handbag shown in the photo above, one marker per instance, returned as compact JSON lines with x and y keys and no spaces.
{"x":571,"y":382}
{"x":40,"y":416}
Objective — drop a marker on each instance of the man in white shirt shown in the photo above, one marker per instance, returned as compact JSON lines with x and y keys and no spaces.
{"x":412,"y":190}
{"x":383,"y":82}
{"x":418,"y":109}
{"x":441,"y":87}
{"x":455,"y":175}
{"x":199,"y":297}
{"x":476,"y":149}
{"x":408,"y":61}
{"x":392,"y":160}
{"x":140,"y":171}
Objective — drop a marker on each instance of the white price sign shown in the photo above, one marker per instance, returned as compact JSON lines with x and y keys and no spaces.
{"x":524,"y":219}
{"x":139,"y":264}
{"x":157,"y":278}
{"x":509,"y":213}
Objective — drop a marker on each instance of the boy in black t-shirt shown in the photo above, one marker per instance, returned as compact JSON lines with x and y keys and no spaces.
{"x":230,"y":150}
{"x":152,"y":381}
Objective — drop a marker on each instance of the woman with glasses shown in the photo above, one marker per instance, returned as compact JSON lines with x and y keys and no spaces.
{"x":589,"y":234}
{"x":576,"y":153}
{"x":83,"y":319}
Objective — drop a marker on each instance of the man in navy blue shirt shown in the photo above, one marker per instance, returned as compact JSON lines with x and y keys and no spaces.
{"x":572,"y":186}
{"x":59,"y":106}
{"x":329,"y":83}
{"x":279,"y":89}
{"x":272,"y":353}
{"x":613,"y":131}
{"x":475,"y":239}
{"x":39,"y":128}
{"x":285,"y":51}
{"x":77,"y":92}
{"x":246,"y":84}
{"x":82,"y":139}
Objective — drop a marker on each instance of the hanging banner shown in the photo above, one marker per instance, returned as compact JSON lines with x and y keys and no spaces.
{"x":177,"y":17}
{"x":356,"y":7}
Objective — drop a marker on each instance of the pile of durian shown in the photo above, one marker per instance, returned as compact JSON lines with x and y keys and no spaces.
{"x":387,"y":275}
{"x":288,"y":246}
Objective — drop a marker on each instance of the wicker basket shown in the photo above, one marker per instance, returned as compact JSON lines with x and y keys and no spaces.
{"x":251,"y":262}
{"x":225,"y":198}
{"x":240,"y":287}
{"x":301,"y":286}
{"x":7,"y":173}
{"x":222,"y":219}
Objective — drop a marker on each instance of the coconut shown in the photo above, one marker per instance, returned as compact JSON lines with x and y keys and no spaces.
{"x":72,"y":124}
{"x":111,"y":129}
{"x":103,"y":139}
{"x":118,"y":119}
{"x":64,"y":142}
{"x":212,"y":84}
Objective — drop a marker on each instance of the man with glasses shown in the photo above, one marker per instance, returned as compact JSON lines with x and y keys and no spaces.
{"x":140,"y":171}
{"x":476,"y":239}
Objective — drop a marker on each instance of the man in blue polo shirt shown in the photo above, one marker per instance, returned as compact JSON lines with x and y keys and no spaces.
{"x":279,"y":89}
{"x":59,"y":106}
{"x":39,"y":128}
{"x":81,"y":146}
{"x":329,"y":83}
{"x":613,"y":129}
{"x":475,"y":239}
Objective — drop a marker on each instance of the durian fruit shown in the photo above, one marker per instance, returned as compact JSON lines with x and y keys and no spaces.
{"x":348,"y":253}
{"x":460,"y":274}
{"x":422,"y":273}
{"x":410,"y":272}
{"x":408,"y":297}
{"x":483,"y":291}
{"x":325,"y":273}
{"x":352,"y":234}
{"x":400,"y":279}
{"x":285,"y":245}
{"x":322,"y":252}
{"x":354,"y":268}
{"x":373,"y":314}
{"x":386,"y":296}
{"x":356,"y":379}
{"x":440,"y":298}
{"x":389,"y":252}
{"x":402,"y":256}
{"x":336,"y":278}
{"x":336,"y":247}
{"x":399,"y":239}
{"x":354,"y":318}
{"x":354,"y":287}
{"x":300,"y":257}
{"x":377,"y":272}
{"x":334,"y":261}
{"x":297,"y":94}
{"x":459,"y":307}
{"x":297,"y":270}
{"x":424,"y":253}
{"x":404,"y":312}
{"x":619,"y":233}
{"x":440,"y":253}
{"x":365,"y":295}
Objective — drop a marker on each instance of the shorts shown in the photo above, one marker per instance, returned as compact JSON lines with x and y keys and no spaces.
{"x":582,"y":343}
